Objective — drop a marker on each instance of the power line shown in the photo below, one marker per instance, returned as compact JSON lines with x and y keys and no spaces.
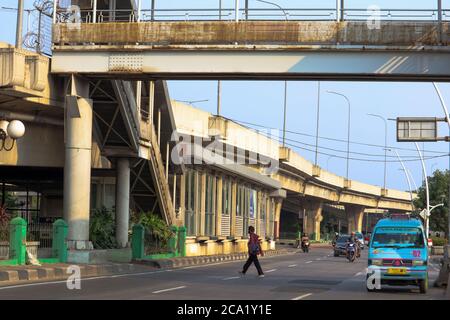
{"x":360,"y":159}
{"x":338,"y":140}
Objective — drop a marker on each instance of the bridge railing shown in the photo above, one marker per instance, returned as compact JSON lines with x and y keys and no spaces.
{"x":73,"y":14}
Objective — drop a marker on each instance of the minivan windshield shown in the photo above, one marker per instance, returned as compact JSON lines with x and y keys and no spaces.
{"x":398,"y":237}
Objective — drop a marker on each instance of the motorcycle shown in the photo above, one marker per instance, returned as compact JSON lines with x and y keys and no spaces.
{"x":305,"y":246}
{"x":351,"y":252}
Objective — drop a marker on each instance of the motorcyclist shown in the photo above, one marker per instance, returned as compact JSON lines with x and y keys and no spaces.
{"x":304,"y":238}
{"x":336,"y":236}
{"x":354,"y":240}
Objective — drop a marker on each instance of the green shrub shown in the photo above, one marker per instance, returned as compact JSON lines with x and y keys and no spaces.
{"x":437,"y":242}
{"x":4,"y":224}
{"x":102,"y":229}
{"x":157,"y":232}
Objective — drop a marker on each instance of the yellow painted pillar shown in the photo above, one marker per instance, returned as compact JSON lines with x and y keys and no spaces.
{"x":355,"y":215}
{"x":267,"y":221}
{"x":314,"y":218}
{"x":219,"y":206}
{"x":276,"y":230}
{"x":258,"y":213}
{"x":233,"y":208}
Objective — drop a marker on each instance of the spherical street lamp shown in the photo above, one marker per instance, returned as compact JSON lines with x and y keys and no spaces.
{"x":13,"y":130}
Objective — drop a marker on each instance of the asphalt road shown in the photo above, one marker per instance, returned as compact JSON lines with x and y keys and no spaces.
{"x":297,"y":276}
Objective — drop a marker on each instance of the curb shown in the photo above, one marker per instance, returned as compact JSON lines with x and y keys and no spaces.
{"x":447,"y":290}
{"x":204,"y":260}
{"x":26,"y":274}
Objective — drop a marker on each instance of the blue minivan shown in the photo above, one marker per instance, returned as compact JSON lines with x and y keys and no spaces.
{"x":398,"y":254}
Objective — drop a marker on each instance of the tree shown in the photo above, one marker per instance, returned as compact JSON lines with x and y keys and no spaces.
{"x":438,"y":185}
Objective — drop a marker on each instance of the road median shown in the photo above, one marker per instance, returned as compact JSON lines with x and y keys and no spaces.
{"x":204,"y":260}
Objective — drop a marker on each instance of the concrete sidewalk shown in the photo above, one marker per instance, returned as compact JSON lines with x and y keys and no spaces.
{"x":13,"y":275}
{"x":200,"y":260}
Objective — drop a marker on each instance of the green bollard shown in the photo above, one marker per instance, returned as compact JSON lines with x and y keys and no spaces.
{"x":173,"y":241}
{"x":137,"y":242}
{"x":18,"y":240}
{"x":182,"y":241}
{"x":59,"y":244}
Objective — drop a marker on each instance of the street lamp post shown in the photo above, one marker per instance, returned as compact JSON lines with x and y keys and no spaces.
{"x":385,"y":144}
{"x":317,"y":124}
{"x":427,"y":190}
{"x":406,"y":174}
{"x":447,"y":116}
{"x":348,"y":127}
{"x":13,"y":130}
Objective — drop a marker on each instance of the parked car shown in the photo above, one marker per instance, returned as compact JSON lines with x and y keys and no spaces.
{"x":340,"y":246}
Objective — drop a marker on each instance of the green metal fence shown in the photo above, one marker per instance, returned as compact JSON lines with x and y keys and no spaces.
{"x":146,"y":245}
{"x":17,"y":243}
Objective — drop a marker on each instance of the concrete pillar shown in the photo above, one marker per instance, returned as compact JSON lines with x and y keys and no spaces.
{"x":233,"y":208}
{"x":182,"y":209}
{"x":202,"y":178}
{"x":313,"y":218}
{"x":122,"y":201}
{"x":77,"y":166}
{"x":276,"y":230}
{"x":355,"y":215}
{"x":219,"y":206}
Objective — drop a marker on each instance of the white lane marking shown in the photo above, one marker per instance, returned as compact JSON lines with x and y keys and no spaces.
{"x":170,"y":289}
{"x":230,"y":278}
{"x":318,"y":259}
{"x":271,"y":270}
{"x":358,"y":274}
{"x":308,"y":261}
{"x":82,"y":279}
{"x":302,"y":296}
{"x":292,"y":266}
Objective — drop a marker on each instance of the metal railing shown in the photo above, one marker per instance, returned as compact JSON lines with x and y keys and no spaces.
{"x":254,"y":14}
{"x":4,"y":241}
{"x":155,"y":245}
{"x":41,"y":232}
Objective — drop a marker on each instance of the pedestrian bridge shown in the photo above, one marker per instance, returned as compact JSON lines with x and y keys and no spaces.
{"x":350,"y":50}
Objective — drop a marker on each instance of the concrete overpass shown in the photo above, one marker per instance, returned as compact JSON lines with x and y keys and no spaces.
{"x":307,"y":187}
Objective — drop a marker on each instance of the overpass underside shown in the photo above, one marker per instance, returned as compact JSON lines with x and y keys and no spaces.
{"x":397,"y":50}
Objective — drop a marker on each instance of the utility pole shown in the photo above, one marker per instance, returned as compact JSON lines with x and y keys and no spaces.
{"x":284,"y":119}
{"x":317,"y":124}
{"x":246,"y":9}
{"x":219,"y":96}
{"x":153,"y":10}
{"x":440,"y":19}
{"x":19,"y":24}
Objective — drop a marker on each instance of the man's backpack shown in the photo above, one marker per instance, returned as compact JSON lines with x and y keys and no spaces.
{"x":254,"y":247}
